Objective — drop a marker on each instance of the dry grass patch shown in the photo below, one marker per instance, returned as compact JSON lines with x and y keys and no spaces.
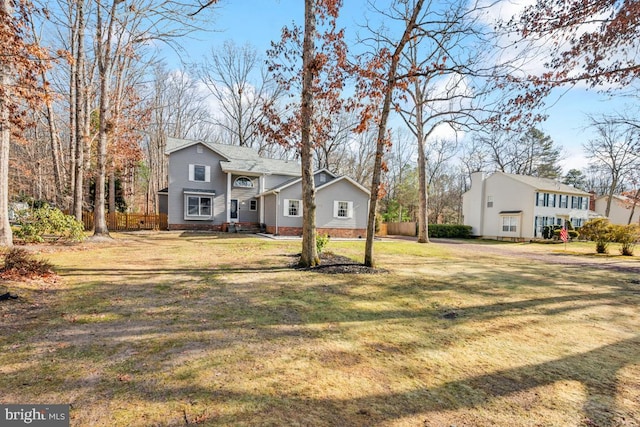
{"x":176,"y":329}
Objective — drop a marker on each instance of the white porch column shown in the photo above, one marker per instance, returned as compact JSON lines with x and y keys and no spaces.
{"x":228,"y":197}
{"x":261,"y":186}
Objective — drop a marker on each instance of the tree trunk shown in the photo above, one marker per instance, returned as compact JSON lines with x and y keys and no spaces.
{"x":381,"y":139}
{"x":105,"y":61}
{"x":99,"y":217}
{"x":633,"y":207}
{"x":612,"y":191}
{"x":80,"y":113}
{"x":423,"y":188}
{"x":73,"y":70}
{"x":6,"y":236}
{"x":112,"y":189}
{"x":54,"y":139}
{"x":56,"y":155}
{"x":309,"y":256}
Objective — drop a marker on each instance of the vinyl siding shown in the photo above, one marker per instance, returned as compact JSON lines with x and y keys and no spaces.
{"x":179,"y":180}
{"x":344,"y":191}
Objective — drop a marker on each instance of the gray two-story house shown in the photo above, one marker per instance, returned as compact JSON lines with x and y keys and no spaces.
{"x":222,"y":187}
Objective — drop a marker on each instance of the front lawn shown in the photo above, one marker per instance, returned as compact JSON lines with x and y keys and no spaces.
{"x":170,"y":329}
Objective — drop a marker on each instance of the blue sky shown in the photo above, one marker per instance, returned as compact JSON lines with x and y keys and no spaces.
{"x":258,"y":22}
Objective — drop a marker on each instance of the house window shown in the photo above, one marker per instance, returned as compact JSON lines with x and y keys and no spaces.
{"x":198,"y":207}
{"x":243,"y":182}
{"x":489,"y":201}
{"x":253,"y":205}
{"x":585,"y":203}
{"x":323,"y":178}
{"x":564,"y":201}
{"x":199,"y":173}
{"x":342,"y":209}
{"x":292,"y":207}
{"x":546,"y":199}
{"x":509,"y":224}
{"x":199,"y":149}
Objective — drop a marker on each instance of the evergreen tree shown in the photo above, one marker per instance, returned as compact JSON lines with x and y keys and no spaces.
{"x":576,"y":178}
{"x":543,"y":157}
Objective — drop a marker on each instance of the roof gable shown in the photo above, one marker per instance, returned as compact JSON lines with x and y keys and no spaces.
{"x":344,"y":178}
{"x":320,"y":187}
{"x":229,"y":152}
{"x":239,"y":159}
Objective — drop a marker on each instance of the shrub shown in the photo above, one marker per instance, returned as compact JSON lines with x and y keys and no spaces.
{"x":321,"y":242}
{"x":548,"y":232}
{"x":19,"y":262}
{"x":34,"y":224}
{"x":450,"y":231}
{"x":600,"y":231}
{"x":627,"y":236}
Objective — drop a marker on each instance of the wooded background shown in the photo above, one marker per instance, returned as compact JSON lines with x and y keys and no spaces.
{"x":95,"y":103}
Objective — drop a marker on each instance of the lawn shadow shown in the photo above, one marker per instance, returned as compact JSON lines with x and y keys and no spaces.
{"x":125,"y":323}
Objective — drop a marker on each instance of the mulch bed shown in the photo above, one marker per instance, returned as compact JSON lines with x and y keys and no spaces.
{"x":331,"y":263}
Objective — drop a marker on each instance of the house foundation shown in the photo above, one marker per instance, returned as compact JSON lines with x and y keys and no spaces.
{"x":355,"y":233}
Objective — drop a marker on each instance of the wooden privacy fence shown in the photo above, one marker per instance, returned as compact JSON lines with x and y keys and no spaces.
{"x":402,"y":229}
{"x":117,"y":221}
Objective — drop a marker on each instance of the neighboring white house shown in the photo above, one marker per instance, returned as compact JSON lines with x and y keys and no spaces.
{"x":621,"y":208}
{"x":219,"y":187}
{"x":518,"y":207}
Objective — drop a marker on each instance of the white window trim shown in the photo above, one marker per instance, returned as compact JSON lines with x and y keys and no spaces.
{"x":286,"y":207}
{"x":511,"y":223}
{"x":243,"y":186}
{"x":189,"y":217}
{"x":207,"y":173}
{"x":336,"y":209}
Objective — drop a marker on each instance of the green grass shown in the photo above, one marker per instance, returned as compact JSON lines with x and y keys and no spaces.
{"x":169,"y":329}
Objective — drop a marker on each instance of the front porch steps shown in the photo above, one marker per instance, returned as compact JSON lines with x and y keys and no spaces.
{"x":244,"y":228}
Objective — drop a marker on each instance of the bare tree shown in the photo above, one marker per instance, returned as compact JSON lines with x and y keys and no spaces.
{"x":360,"y":152}
{"x":79,"y":101}
{"x":530,"y":153}
{"x":239,"y":82}
{"x":614,"y":151}
{"x":332,"y":152}
{"x":123,"y":30}
{"x":401,"y":166}
{"x":448,"y":77}
{"x":178,"y":109}
{"x":379,"y":82}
